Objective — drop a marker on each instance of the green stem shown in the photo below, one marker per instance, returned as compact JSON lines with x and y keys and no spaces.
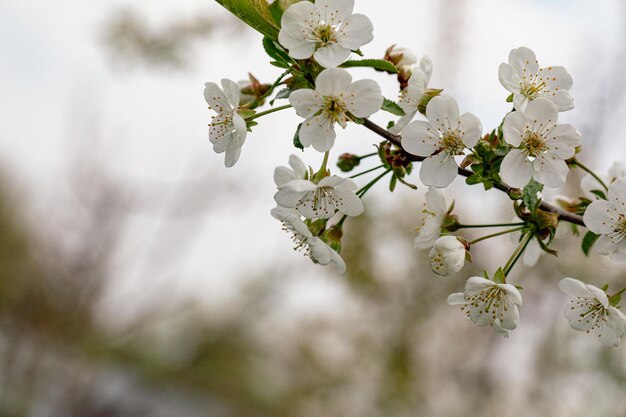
{"x":476,"y":226}
{"x":518,"y":253}
{"x":275,"y":109}
{"x":322,"y":171}
{"x":366,"y":172}
{"x":590,"y":172}
{"x":619,"y":292}
{"x":368,"y":155}
{"x":340,"y":222}
{"x":370,"y":184}
{"x":504,"y":232}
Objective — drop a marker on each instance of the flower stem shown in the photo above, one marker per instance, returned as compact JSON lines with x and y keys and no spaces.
{"x":370,"y":184}
{"x":275,"y":109}
{"x":365,"y":172}
{"x":322,"y":171}
{"x":619,"y":292}
{"x":518,"y":253}
{"x":504,"y":232}
{"x":477,"y":226}
{"x":577,"y":163}
{"x":368,"y":155}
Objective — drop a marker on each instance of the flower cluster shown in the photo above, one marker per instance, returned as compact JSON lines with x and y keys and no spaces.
{"x":529,"y":150}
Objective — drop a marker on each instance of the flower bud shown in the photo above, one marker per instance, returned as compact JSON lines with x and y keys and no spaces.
{"x":347,"y":162}
{"x":447,"y":256}
{"x":428,"y":95}
{"x":252,"y":91}
{"x":404,"y":60}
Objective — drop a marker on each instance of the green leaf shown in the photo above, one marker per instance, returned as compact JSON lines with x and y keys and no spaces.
{"x":296,"y":138}
{"x":255,"y":13}
{"x":473,"y":179}
{"x":278,"y":7}
{"x":276,"y":52}
{"x":509,"y":99}
{"x":599,"y":194}
{"x":530,"y":198}
{"x":499,"y":277}
{"x":284,"y":93}
{"x":392,"y":107}
{"x":588,"y":242}
{"x":393,"y":182}
{"x":379,"y":64}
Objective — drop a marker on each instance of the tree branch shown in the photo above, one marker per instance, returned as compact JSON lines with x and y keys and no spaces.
{"x":396,"y":140}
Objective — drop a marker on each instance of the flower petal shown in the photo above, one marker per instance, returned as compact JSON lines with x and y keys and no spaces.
{"x":436,"y":201}
{"x":332,"y":82}
{"x":472,"y":129}
{"x":457,"y":298}
{"x":543,"y":113}
{"x":282,"y":175}
{"x":233,"y":150}
{"x":550,"y":170}
{"x":332,"y":55}
{"x":297,"y":26}
{"x":524,"y":62}
{"x":515,"y":127}
{"x":319,"y":132}
{"x":574,"y":287}
{"x":348,"y":202}
{"x":428,"y":233}
{"x":443,"y":112}
{"x":562,"y":140}
{"x":216,"y":98}
{"x":439,"y":170}
{"x":516,"y":169}
{"x":599,"y":217}
{"x":363,"y":98}
{"x":306,"y":102}
{"x":420,"y":138}
{"x":509,"y":78}
{"x":356,"y":31}
{"x":334,"y":11}
{"x":232,"y":92}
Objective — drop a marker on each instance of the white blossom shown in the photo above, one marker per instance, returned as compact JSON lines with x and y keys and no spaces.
{"x":401,"y":57}
{"x":523,"y":77}
{"x":433,"y":215}
{"x":488,"y":303}
{"x":304,"y":240}
{"x":589,"y":183}
{"x":413,"y":94}
{"x":298,"y":171}
{"x":589,"y":311}
{"x":447,"y":256}
{"x":334,"y":99}
{"x":540,"y":145}
{"x":327,"y":30}
{"x":227,"y":130}
{"x":321,"y":200}
{"x":608,"y":219}
{"x":445,"y":135}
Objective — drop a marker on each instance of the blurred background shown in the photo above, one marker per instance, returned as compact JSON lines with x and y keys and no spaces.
{"x":139,"y":277}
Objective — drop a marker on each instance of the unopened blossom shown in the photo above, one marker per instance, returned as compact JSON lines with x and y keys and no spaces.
{"x":447,"y":256}
{"x":321,"y":200}
{"x":335,"y":99}
{"x":607,"y":218}
{"x":413,"y":95}
{"x":402,"y":58}
{"x":445,"y":135}
{"x":523,"y":77}
{"x":433,"y":214}
{"x":227,"y":130}
{"x":589,"y":183}
{"x":540,"y":145}
{"x":589,"y":311}
{"x":298,"y":171}
{"x":303,"y":239}
{"x":326,"y":30}
{"x":488,"y":303}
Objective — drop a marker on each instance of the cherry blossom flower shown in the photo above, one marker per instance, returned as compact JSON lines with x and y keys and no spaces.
{"x":413,"y":95}
{"x":523,"y":77}
{"x":321,"y":200}
{"x":298,"y":171}
{"x":335,"y":99}
{"x":433,"y":214}
{"x":445,"y":135}
{"x":488,"y":303}
{"x":227,"y":130}
{"x":589,"y":311}
{"x":312,"y":246}
{"x":327,"y":30}
{"x":540,"y":145}
{"x":608,"y":219}
{"x":401,"y":57}
{"x":447,"y":256}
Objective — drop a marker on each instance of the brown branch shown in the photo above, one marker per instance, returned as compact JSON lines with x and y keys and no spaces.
{"x":396,"y":140}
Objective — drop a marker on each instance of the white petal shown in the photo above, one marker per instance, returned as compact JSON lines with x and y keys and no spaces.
{"x":296,"y":29}
{"x":355,"y":32}
{"x":241,"y":129}
{"x":508,"y":317}
{"x":420,"y":138}
{"x":332,"y":55}
{"x":319,"y":251}
{"x":516,"y":169}
{"x":332,"y":82}
{"x":443,"y":112}
{"x":439,"y":170}
{"x":282,"y":175}
{"x":428,"y":234}
{"x":617,"y":194}
{"x":514,"y":128}
{"x":298,"y":166}
{"x":457,"y":298}
{"x":562,"y":140}
{"x":232,"y":92}
{"x":550,"y":170}
{"x":532,"y":253}
{"x":604,"y":245}
{"x":363,"y":98}
{"x":617,"y":170}
{"x":337,"y":260}
{"x":403,"y":121}
{"x":563,"y":100}
{"x":513,"y":293}
{"x":436,"y":201}
{"x":477,"y":284}
{"x":509,"y":78}
{"x":542,"y":113}
{"x":337,"y":181}
{"x":598,"y":294}
{"x":472,"y":129}
{"x":233,"y":150}
{"x":319,"y":132}
{"x":335,"y":10}
{"x":599,"y":217}
{"x":349,"y":204}
{"x":426,"y":65}
{"x":574,"y":287}
{"x":524,"y":62}
{"x":520,"y":101}
{"x":216,"y":98}
{"x":618,"y":251}
{"x":306,"y":102}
